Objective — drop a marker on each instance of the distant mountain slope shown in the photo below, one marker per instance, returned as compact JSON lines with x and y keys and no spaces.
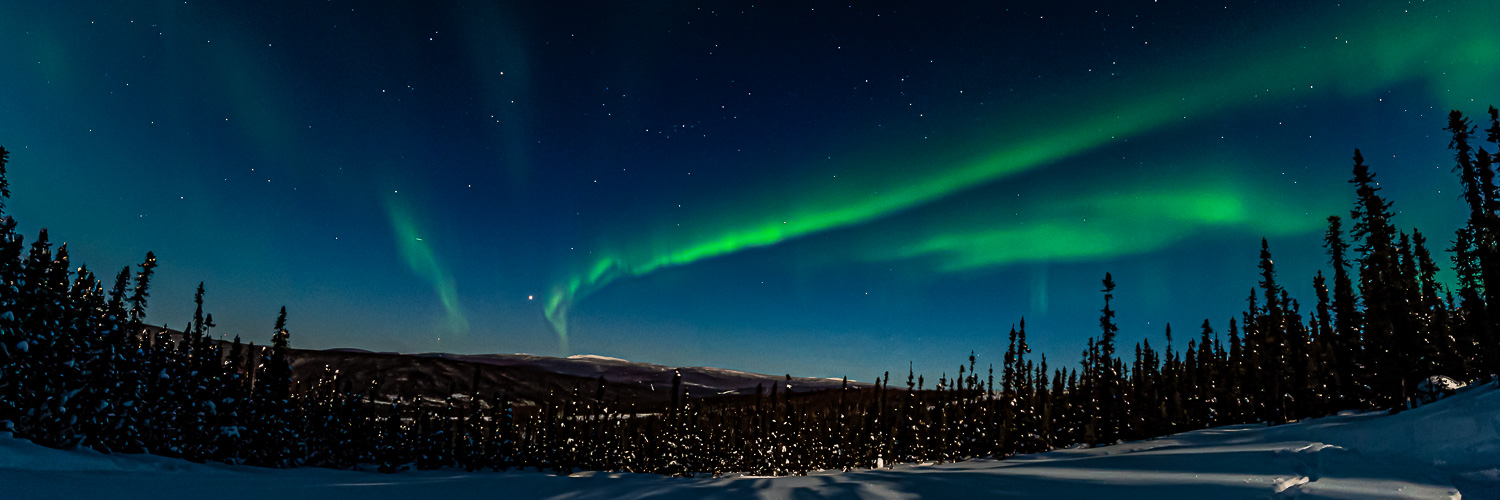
{"x":699,"y":381}
{"x":523,"y":378}
{"x":527,"y":378}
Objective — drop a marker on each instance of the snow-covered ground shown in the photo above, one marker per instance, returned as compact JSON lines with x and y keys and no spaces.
{"x":1449,"y":449}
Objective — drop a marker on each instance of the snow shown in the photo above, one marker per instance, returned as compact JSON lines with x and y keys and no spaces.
{"x":1447,"y":449}
{"x":596,"y":357}
{"x":1437,"y":386}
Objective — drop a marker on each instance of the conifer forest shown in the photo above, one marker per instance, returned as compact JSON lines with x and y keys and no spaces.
{"x":83,"y":364}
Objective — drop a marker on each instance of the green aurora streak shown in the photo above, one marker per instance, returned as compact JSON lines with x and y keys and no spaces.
{"x":1346,"y":51}
{"x":420,"y":257}
{"x":1101,"y":221}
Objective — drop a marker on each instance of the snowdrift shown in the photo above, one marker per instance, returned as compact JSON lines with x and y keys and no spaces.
{"x":1447,"y":449}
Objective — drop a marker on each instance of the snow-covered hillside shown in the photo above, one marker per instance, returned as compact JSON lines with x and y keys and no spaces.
{"x":1449,"y":449}
{"x":699,"y":381}
{"x":526,"y":378}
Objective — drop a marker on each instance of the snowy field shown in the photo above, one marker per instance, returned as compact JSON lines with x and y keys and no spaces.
{"x":1449,"y":449}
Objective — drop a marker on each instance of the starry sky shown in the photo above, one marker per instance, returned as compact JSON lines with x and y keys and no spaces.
{"x":815,"y":188}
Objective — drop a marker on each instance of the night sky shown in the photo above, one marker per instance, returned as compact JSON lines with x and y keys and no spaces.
{"x":817,"y":188}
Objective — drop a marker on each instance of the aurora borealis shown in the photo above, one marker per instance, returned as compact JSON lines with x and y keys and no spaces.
{"x":822,"y":189}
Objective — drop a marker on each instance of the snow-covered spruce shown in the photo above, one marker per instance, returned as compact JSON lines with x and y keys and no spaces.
{"x":1444,"y":450}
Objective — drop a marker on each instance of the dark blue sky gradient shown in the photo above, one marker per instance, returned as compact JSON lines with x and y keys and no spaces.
{"x":269,"y":150}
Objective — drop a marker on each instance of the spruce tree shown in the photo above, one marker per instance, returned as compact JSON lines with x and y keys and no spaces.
{"x":5,"y":183}
{"x":84,"y":398}
{"x":1463,"y":155}
{"x":10,"y":330}
{"x":1271,"y":342}
{"x":12,"y":336}
{"x":1377,"y":271}
{"x":40,"y":307}
{"x":230,"y":415}
{"x":1209,"y":383}
{"x":1108,"y":373}
{"x":123,"y":371}
{"x":274,"y":429}
{"x":1344,"y":344}
{"x":1476,"y":256}
{"x":62,"y":349}
{"x":1234,"y":402}
{"x":203,"y":385}
{"x":141,"y":292}
{"x":1471,"y":318}
{"x":1165,"y":384}
{"x":1330,"y":378}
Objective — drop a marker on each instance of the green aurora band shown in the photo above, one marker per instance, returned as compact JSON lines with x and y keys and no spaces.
{"x":424,"y":262}
{"x":1345,"y":51}
{"x":1069,"y":223}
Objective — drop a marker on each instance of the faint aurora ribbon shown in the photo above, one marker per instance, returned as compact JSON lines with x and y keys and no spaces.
{"x":425,"y":263}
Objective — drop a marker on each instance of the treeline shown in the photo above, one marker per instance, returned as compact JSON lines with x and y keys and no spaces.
{"x":80,"y":368}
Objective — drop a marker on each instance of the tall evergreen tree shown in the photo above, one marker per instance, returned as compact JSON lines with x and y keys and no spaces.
{"x":12,"y":337}
{"x":1377,"y":270}
{"x":1463,"y":155}
{"x":1344,"y":344}
{"x":1477,"y":247}
{"x":1325,"y":343}
{"x":1209,"y":383}
{"x":1235,"y":403}
{"x":1270,"y":342}
{"x":203,"y":384}
{"x":4,"y":182}
{"x":60,"y":420}
{"x":39,"y":307}
{"x":1428,"y":344}
{"x":141,"y":292}
{"x":274,"y":432}
{"x":1107,"y":372}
